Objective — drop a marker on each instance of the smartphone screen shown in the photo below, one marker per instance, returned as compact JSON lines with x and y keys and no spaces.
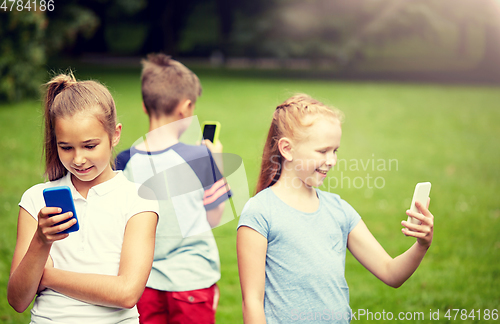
{"x":209,"y":132}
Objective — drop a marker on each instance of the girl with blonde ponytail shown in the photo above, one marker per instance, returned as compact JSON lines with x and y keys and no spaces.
{"x":292,"y":237}
{"x":96,"y":274}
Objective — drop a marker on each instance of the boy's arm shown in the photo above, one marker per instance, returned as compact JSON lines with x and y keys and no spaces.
{"x":393,"y":272}
{"x":214,"y":215}
{"x":123,"y":290}
{"x":216,"y":150}
{"x":122,"y":160}
{"x":251,"y":248}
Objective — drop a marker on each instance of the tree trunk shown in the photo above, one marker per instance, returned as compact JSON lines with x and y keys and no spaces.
{"x":225,"y":13}
{"x":490,"y":63}
{"x":463,"y":39}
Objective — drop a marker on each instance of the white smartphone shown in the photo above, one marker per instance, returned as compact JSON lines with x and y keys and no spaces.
{"x":421,"y":194}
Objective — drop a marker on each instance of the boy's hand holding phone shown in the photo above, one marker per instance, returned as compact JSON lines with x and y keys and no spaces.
{"x":210,"y":138}
{"x":216,"y":150}
{"x":213,"y":147}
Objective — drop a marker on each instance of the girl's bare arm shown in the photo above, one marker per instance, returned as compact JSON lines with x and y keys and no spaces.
{"x":252,"y":248}
{"x":123,"y":290}
{"x":34,"y":240}
{"x":394,"y":272}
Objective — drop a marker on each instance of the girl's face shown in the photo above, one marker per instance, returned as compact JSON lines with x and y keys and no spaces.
{"x":84,"y":148}
{"x":314,"y":156}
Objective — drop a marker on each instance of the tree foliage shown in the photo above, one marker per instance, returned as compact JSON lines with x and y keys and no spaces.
{"x":23,"y":53}
{"x":341,"y":31}
{"x":30,"y":37}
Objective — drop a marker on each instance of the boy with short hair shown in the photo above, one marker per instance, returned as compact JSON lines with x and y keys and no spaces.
{"x":191,"y":192}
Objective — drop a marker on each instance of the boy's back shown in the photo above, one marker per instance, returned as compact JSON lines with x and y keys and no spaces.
{"x":187,"y":184}
{"x":191,"y":193}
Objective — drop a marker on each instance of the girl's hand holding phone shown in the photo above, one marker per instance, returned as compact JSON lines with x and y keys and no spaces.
{"x":47,"y":229}
{"x":425,"y":230}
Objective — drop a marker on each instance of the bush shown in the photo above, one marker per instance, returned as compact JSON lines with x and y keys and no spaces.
{"x":23,"y":54}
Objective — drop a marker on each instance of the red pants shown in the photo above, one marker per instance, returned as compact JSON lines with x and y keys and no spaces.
{"x":178,"y":307}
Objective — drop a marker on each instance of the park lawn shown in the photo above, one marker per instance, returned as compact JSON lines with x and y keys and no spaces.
{"x":394,"y":135}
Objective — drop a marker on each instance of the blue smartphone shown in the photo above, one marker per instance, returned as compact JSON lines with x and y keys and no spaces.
{"x":61,"y":197}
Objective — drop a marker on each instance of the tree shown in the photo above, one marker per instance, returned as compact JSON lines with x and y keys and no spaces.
{"x":23,"y":53}
{"x":167,"y":20}
{"x":29,"y":37}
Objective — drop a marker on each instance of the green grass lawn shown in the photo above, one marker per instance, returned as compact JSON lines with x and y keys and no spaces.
{"x":394,"y":136}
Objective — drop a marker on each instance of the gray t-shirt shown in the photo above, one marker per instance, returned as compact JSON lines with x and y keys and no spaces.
{"x":305,"y":261}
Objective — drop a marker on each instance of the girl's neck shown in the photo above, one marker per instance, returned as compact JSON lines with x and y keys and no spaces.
{"x":83,"y":187}
{"x":296,"y":194}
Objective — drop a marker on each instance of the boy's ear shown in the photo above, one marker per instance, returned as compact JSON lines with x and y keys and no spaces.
{"x":116,"y":135}
{"x":184,"y":108}
{"x":285,"y":147}
{"x":144,"y":108}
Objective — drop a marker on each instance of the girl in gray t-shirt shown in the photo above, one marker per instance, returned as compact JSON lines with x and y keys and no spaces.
{"x":292,"y":237}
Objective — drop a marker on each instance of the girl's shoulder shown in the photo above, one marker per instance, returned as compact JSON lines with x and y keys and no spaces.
{"x":32,"y":199}
{"x":256,"y":213}
{"x":132,"y":197}
{"x":258,"y":207}
{"x":258,"y":203}
{"x":39,"y":187}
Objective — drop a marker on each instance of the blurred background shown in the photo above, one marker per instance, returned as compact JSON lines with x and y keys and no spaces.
{"x":443,"y":40}
{"x":418,"y":81}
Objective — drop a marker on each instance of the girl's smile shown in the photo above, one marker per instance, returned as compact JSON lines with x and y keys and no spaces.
{"x":83,"y":171}
{"x":322,"y":172}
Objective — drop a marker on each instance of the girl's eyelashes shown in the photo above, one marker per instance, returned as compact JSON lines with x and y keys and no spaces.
{"x":325,"y":151}
{"x":88,"y":147}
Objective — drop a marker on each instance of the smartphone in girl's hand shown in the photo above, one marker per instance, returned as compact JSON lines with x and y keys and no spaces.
{"x":61,"y":197}
{"x":421,"y":194}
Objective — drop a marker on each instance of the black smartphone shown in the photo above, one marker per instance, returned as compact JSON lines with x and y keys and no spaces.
{"x":211,"y":131}
{"x":61,"y":197}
